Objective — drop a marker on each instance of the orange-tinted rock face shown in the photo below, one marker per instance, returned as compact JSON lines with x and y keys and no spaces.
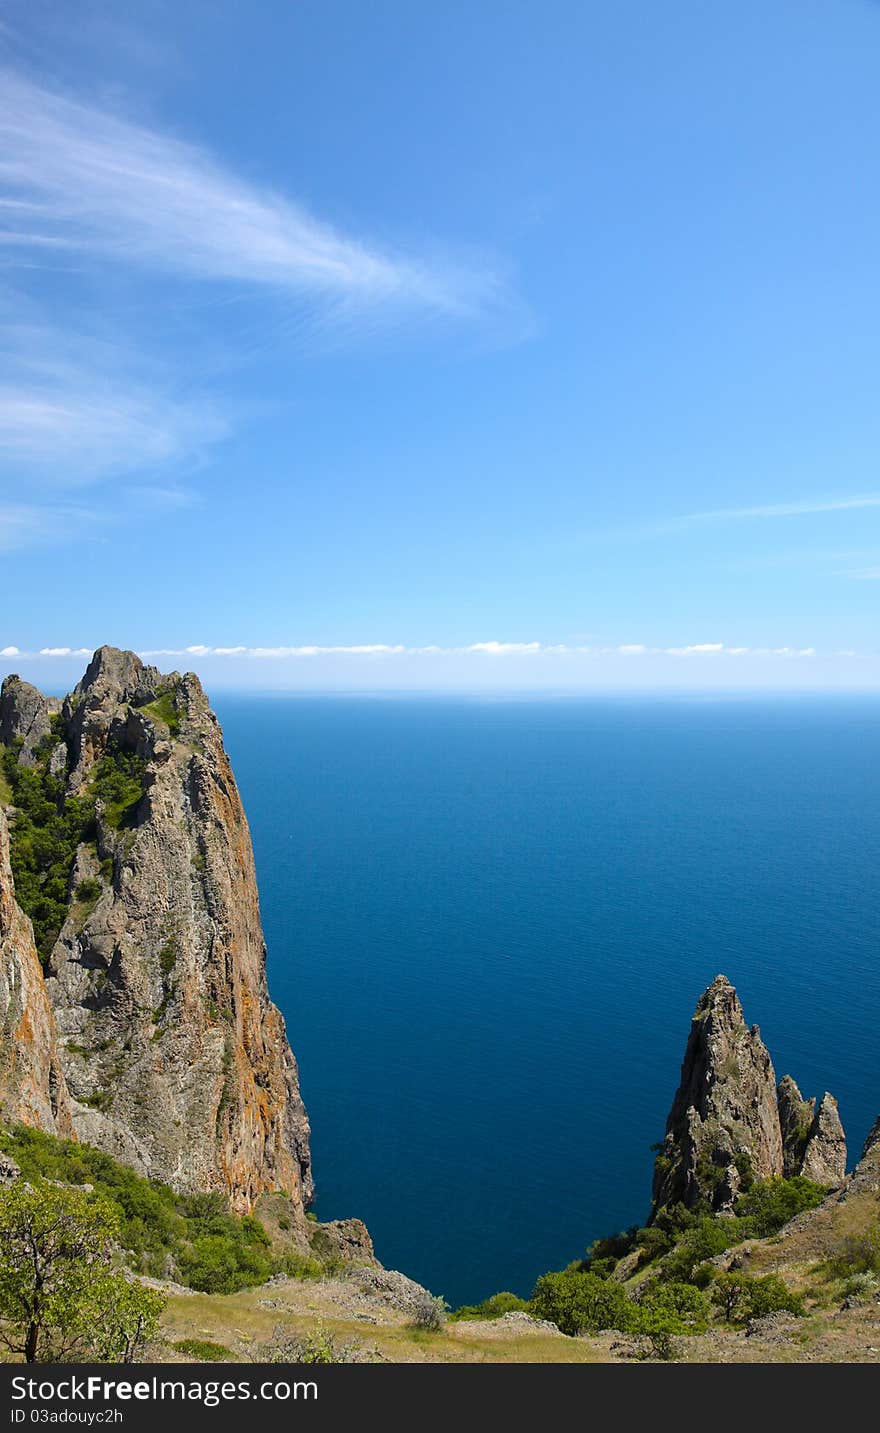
{"x":32,"y":1084}
{"x":176,"y":1059}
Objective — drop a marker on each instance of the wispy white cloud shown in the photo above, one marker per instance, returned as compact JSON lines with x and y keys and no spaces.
{"x":76,"y":425}
{"x":80,"y":186}
{"x":25,"y":525}
{"x":78,"y":178}
{"x":774,"y":510}
{"x":700,"y":649}
{"x":864,"y":574}
{"x":474,"y":650}
{"x":504,"y":649}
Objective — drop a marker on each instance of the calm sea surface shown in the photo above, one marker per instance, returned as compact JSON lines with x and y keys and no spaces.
{"x":488,"y":924}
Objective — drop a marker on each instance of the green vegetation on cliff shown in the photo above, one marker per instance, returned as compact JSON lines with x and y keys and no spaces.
{"x":44,"y":835}
{"x":192,"y":1239}
{"x":48,"y":826}
{"x":164,"y":709}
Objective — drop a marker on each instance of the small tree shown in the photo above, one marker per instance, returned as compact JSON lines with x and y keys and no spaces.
{"x":126,"y":1316}
{"x":730,"y":1294}
{"x":59,"y":1296}
{"x":741,"y":1297}
{"x":659,"y":1327}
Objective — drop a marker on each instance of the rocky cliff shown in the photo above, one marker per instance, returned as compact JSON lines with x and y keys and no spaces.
{"x":32,"y":1084}
{"x":730,"y":1123}
{"x":865,"y":1178}
{"x":141,"y":883}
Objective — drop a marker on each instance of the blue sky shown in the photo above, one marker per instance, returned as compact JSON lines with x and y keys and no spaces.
{"x":479,"y":346}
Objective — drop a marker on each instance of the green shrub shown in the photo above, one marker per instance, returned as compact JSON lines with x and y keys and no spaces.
{"x":856,"y":1254}
{"x":204,"y":1351}
{"x":678,"y":1247}
{"x":861,"y":1285}
{"x":685,"y":1307}
{"x":492,"y":1308}
{"x":119,"y":783}
{"x":44,"y":836}
{"x":606,"y":1252}
{"x":300,"y":1266}
{"x":579,"y":1302}
{"x":708,"y":1237}
{"x":98,"y":1099}
{"x":741,"y":1297}
{"x":48,"y":827}
{"x":194,"y":1239}
{"x":771,"y":1294}
{"x":663,"y":1345}
{"x":743,"y":1163}
{"x":771,"y":1204}
{"x":168,"y":958}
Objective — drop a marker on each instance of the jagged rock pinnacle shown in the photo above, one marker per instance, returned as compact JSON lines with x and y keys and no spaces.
{"x":729,"y":1125}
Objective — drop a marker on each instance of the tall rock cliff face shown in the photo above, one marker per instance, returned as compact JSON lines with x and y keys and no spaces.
{"x":730,"y":1124}
{"x":176,"y":1059}
{"x":32,"y":1084}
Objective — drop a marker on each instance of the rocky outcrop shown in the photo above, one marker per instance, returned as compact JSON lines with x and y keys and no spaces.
{"x":25,"y":716}
{"x":9,"y":1170}
{"x":865,"y":1178}
{"x":724,"y":1125}
{"x":345,"y":1241}
{"x":824,"y":1158}
{"x":796,"y":1117}
{"x":729,"y":1125}
{"x":32,"y":1084}
{"x":176,"y":1059}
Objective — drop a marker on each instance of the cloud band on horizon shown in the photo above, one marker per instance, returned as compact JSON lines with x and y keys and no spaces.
{"x":488,"y":649}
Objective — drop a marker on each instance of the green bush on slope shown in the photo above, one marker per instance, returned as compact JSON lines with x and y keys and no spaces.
{"x":674,"y":1252}
{"x":193,"y":1239}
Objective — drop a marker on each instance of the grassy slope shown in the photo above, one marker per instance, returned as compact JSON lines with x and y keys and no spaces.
{"x":828,"y":1334}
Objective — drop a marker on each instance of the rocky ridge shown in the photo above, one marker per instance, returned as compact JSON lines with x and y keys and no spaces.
{"x":150,"y":1032}
{"x":730,"y":1123}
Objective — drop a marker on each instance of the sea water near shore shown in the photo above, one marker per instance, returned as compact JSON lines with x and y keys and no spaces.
{"x":489,"y":921}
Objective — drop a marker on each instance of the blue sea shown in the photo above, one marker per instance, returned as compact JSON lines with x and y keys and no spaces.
{"x":489,"y":922}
